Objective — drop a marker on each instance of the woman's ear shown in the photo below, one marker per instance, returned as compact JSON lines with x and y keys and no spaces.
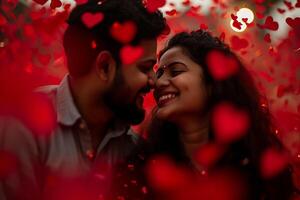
{"x":105,"y":66}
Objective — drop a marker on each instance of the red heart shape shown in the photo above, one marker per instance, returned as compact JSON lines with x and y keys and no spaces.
{"x":55,"y":4}
{"x":294,"y":23}
{"x":78,"y":2}
{"x":272,"y":162}
{"x":153,"y":5}
{"x":129,"y":54}
{"x":297,"y":4}
{"x":281,"y":11}
{"x":271,"y":24}
{"x":123,"y":33}
{"x":238,"y":43}
{"x":229,"y":123}
{"x":92,"y":19}
{"x":171,"y":12}
{"x":220,"y":66}
{"x":267,"y":38}
{"x":41,"y":2}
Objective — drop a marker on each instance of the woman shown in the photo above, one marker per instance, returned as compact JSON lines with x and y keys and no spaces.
{"x":198,"y":80}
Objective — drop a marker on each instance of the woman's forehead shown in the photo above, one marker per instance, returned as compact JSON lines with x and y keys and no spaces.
{"x":172,"y":54}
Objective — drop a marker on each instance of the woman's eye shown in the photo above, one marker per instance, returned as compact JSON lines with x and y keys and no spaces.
{"x":159,"y":73}
{"x":176,"y":72}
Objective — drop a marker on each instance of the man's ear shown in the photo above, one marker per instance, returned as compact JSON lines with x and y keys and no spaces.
{"x":105,"y":66}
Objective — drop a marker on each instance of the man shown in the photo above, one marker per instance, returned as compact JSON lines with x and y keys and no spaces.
{"x":95,"y":104}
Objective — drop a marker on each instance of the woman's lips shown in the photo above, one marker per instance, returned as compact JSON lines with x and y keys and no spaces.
{"x":166,"y":98}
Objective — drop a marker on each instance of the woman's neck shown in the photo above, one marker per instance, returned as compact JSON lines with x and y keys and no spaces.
{"x":193,"y":134}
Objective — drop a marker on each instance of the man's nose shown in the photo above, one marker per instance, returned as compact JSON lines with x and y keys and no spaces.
{"x":151,"y":79}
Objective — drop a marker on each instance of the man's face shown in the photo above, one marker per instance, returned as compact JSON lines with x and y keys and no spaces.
{"x":131,"y":83}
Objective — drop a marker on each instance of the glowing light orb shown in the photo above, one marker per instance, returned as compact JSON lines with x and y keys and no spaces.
{"x":243,"y":13}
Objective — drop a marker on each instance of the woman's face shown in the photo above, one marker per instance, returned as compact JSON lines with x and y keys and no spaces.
{"x":180,"y":90}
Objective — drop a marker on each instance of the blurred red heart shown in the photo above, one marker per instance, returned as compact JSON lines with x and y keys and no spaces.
{"x":238,"y":43}
{"x":41,"y":2}
{"x":92,"y":19}
{"x":220,"y":66}
{"x":271,"y":24}
{"x":267,"y":38}
{"x":55,"y":4}
{"x":294,"y":23}
{"x":124,"y":33}
{"x":229,"y":123}
{"x":153,"y":5}
{"x":281,"y":11}
{"x":129,"y":54}
{"x":273,"y":162}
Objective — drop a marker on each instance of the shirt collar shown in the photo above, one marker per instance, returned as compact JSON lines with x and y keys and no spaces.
{"x":67,"y":113}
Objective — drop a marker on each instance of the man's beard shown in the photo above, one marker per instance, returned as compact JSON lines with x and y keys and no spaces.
{"x":118,"y":101}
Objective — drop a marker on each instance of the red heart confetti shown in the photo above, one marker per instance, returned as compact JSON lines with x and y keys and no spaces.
{"x":238,"y":43}
{"x":124,"y":32}
{"x":41,"y":2}
{"x":153,"y":5}
{"x":270,"y":24}
{"x":92,"y":19}
{"x":294,"y":23}
{"x":229,"y":123}
{"x":55,"y":4}
{"x":281,"y":11}
{"x":186,"y":2}
{"x":297,"y":5}
{"x":129,"y":54}
{"x":273,"y":162}
{"x":164,"y":174}
{"x":208,"y":154}
{"x":288,"y":4}
{"x":267,"y":38}
{"x":172,"y":12}
{"x":220,"y":66}
{"x":78,"y":2}
{"x":203,"y":26}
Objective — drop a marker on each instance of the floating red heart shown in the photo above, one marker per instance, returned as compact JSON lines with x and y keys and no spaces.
{"x":271,"y":24}
{"x":229,"y":123}
{"x":272,"y":162}
{"x":92,"y":19}
{"x":288,"y":4}
{"x":220,"y":66}
{"x":55,"y":4}
{"x":238,"y":43}
{"x":267,"y":38}
{"x":123,"y":33}
{"x":130,"y":54}
{"x":153,"y":5}
{"x":171,"y":12}
{"x":41,"y":2}
{"x":208,"y":154}
{"x":281,"y":11}
{"x":294,"y":23}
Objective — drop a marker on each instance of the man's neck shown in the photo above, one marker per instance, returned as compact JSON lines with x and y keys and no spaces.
{"x":96,"y":115}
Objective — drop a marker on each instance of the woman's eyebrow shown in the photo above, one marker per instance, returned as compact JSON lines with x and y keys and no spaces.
{"x":171,"y":64}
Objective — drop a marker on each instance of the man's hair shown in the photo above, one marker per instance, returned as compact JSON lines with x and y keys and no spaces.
{"x":78,"y":38}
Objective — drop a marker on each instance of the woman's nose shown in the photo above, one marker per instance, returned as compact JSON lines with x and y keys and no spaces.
{"x":162,"y":81}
